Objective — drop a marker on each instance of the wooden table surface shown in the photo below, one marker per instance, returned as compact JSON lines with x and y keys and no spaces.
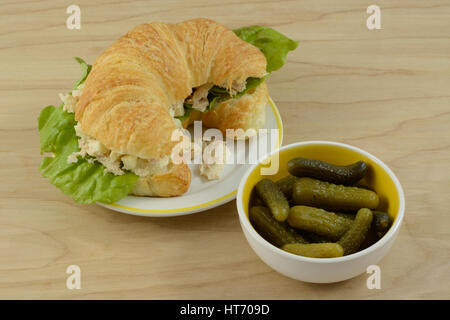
{"x":386,"y":91}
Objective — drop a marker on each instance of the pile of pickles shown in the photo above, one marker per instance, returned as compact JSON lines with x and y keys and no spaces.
{"x":318,"y":210}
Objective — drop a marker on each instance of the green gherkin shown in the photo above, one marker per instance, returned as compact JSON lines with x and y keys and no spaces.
{"x":315,"y":250}
{"x":273,"y":198}
{"x":316,"y":193}
{"x":286,"y":185}
{"x":346,"y":175}
{"x":354,"y":237}
{"x":319,"y":221}
{"x":277,"y":233}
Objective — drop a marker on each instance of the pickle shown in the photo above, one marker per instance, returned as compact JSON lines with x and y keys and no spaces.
{"x":346,"y":175}
{"x":256,"y":201}
{"x":350,"y":216}
{"x":381,"y":223}
{"x":286,"y":185}
{"x":273,"y":198}
{"x":370,"y":239}
{"x":277,"y":233}
{"x":354,"y":237}
{"x":314,"y":237}
{"x":319,"y":221}
{"x":316,"y":193}
{"x":315,"y":250}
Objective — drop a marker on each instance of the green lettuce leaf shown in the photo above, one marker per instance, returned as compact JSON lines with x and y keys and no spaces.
{"x":252,"y":83}
{"x":85,"y":182}
{"x":213,"y":101}
{"x":218,"y":94}
{"x":86,"y":68}
{"x":187,"y":112}
{"x":273,"y":44}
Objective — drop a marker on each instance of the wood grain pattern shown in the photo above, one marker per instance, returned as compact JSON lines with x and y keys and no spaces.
{"x":386,"y":91}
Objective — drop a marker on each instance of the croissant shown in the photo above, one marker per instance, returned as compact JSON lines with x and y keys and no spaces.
{"x":138,"y":85}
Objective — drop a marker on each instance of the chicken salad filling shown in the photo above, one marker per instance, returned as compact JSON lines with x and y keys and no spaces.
{"x":93,"y":150}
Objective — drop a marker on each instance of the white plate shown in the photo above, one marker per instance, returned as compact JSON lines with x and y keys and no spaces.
{"x":202,"y":194}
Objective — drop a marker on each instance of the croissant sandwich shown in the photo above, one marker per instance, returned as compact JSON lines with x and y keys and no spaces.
{"x":112,"y":134}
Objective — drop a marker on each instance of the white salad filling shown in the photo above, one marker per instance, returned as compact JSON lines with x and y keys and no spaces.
{"x":93,"y":150}
{"x":213,"y":162}
{"x":200,"y":97}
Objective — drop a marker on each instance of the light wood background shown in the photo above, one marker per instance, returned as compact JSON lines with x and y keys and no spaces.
{"x":386,"y":91}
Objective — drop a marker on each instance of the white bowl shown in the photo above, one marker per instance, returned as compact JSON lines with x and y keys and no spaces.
{"x":325,"y":270}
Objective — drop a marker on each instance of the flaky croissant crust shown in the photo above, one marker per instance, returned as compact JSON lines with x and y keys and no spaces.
{"x":132,"y":86}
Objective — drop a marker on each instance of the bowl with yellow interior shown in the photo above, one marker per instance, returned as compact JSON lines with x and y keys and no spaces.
{"x":320,"y":211}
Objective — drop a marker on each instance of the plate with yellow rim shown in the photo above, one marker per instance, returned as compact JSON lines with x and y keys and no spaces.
{"x":203,"y":194}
